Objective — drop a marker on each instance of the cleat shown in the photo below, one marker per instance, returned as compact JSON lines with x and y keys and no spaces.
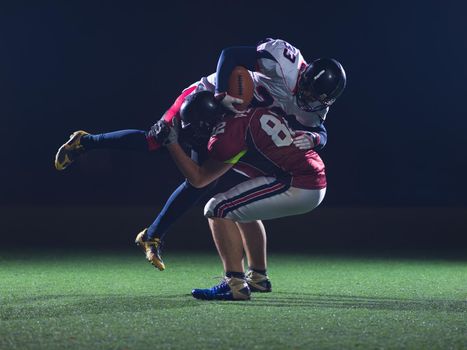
{"x":258,"y":282}
{"x":70,"y":150}
{"x":151,"y":249}
{"x":229,"y":289}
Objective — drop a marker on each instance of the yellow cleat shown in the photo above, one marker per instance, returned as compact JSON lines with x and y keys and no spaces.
{"x":151,"y":248}
{"x":258,"y":282}
{"x":70,"y":150}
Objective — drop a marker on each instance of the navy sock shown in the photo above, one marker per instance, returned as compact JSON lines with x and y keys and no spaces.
{"x":263,"y":272}
{"x":230,"y":274}
{"x":134,"y":140}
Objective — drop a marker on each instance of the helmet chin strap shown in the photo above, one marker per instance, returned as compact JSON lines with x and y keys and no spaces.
{"x":306,"y":107}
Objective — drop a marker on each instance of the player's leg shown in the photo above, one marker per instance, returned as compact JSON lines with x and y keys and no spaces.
{"x":228,"y":240}
{"x":135,"y":140}
{"x":181,"y":200}
{"x":262,"y":198}
{"x":254,"y":242}
{"x":81,"y":142}
{"x":186,"y":196}
{"x":255,"y":199}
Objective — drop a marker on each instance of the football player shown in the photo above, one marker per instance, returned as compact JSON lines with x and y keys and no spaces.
{"x":284,"y":180}
{"x":301,"y":92}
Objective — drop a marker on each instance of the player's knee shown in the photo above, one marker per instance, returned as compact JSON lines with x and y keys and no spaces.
{"x":211,"y":209}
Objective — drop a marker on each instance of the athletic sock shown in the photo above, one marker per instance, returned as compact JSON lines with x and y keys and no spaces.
{"x":263,"y":272}
{"x":234,"y":274}
{"x":134,"y":140}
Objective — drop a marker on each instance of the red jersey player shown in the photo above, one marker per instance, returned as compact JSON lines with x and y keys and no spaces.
{"x":284,"y":180}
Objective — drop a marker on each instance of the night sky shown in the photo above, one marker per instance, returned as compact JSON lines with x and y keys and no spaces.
{"x":397,"y":136}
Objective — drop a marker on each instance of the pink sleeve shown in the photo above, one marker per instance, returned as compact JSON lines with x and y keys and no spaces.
{"x":175,"y":108}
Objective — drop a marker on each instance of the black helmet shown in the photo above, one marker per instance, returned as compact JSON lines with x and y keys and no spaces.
{"x":322,"y":80}
{"x":200,"y":112}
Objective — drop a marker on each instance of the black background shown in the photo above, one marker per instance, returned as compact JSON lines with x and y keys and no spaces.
{"x":396,"y":136}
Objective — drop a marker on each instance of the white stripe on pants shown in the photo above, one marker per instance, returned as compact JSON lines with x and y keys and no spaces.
{"x":262,"y":198}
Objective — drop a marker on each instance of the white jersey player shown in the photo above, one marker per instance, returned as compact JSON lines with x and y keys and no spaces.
{"x":282,"y":79}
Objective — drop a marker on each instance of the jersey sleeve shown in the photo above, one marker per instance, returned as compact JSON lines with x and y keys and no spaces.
{"x":319,"y":132}
{"x":286,"y":64}
{"x":227,"y":143}
{"x":312,"y":119}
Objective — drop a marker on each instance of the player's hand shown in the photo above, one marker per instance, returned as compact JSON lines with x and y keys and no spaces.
{"x":304,"y":140}
{"x":164,"y":132}
{"x":228,"y":101}
{"x":172,"y":137}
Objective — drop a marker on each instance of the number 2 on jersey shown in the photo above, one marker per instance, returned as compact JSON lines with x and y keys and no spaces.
{"x":218,"y":129}
{"x":290,"y":52}
{"x":278,"y":131}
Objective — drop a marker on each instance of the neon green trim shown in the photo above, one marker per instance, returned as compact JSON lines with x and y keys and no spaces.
{"x":236,"y":158}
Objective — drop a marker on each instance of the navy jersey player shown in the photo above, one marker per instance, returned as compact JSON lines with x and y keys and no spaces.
{"x":283,"y":180}
{"x":283,"y":81}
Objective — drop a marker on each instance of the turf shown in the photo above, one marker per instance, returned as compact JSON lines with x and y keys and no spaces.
{"x":118,"y":301}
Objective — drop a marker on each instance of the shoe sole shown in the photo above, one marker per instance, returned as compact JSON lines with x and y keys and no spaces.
{"x":254,"y":289}
{"x":220,"y":298}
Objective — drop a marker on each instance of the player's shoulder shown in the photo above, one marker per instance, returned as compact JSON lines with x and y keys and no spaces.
{"x":255,"y":115}
{"x":228,"y":137}
{"x":286,"y":64}
{"x":282,"y":51}
{"x":273,"y":45}
{"x":231,"y":127}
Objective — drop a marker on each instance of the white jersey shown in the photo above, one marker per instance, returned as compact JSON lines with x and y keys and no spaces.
{"x":276,"y":82}
{"x":280,"y":79}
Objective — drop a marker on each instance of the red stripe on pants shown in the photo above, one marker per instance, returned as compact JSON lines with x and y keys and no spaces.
{"x":248,"y":197}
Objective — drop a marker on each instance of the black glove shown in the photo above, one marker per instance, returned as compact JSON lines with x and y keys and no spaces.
{"x":164,"y":133}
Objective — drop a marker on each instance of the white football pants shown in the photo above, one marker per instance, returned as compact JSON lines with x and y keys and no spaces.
{"x":262,"y":198}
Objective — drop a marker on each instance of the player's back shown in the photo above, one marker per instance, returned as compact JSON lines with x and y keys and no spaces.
{"x":271,"y":149}
{"x":276,"y":81}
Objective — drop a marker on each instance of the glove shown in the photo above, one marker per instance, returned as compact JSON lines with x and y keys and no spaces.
{"x":164,"y":132}
{"x":172,"y":137}
{"x":228,"y":101}
{"x":305,"y":140}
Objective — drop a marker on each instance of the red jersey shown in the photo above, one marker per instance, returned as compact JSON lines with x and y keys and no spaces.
{"x":259,"y":142}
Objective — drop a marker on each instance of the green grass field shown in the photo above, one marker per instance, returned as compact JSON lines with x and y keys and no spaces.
{"x":118,"y":301}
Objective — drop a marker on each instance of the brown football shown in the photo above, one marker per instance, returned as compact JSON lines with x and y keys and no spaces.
{"x":241,"y":86}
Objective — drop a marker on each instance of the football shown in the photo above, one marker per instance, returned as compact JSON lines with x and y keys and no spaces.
{"x":241,"y":86}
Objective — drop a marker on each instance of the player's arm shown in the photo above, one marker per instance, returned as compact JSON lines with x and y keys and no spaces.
{"x":311,"y":137}
{"x":246,"y":56}
{"x":225,"y":148}
{"x":308,"y":137}
{"x":198,"y":176}
{"x":320,"y":136}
